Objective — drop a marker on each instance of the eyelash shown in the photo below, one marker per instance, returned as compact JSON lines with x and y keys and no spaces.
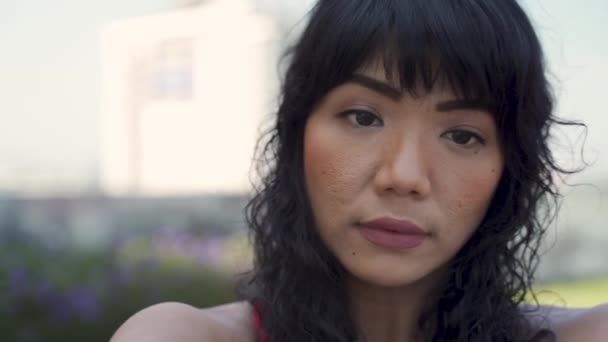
{"x":471,"y":134}
{"x":479,"y":140}
{"x":352,"y":112}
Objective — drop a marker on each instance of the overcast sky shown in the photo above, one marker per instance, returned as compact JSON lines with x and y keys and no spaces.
{"x":50,"y":74}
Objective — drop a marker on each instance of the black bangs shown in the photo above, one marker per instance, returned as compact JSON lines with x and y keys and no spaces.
{"x":481,"y":49}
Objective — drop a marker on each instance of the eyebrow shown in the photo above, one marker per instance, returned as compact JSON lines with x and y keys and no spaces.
{"x":395,"y":94}
{"x":377,"y":86}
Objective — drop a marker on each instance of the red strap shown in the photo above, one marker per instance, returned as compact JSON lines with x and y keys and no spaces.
{"x":259,"y":329}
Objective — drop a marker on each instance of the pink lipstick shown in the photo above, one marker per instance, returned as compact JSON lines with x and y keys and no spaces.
{"x":393,"y":233}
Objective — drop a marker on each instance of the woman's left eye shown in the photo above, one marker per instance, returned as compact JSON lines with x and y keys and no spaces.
{"x":362,"y":118}
{"x":464,"y":138}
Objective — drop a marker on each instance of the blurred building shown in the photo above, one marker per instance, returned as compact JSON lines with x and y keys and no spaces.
{"x":184,"y":95}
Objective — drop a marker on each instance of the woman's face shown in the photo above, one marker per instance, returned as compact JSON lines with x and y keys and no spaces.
{"x":371,"y":152}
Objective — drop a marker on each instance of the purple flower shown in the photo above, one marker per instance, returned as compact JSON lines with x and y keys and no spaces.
{"x":17,"y":281}
{"x":121,"y":276}
{"x":58,"y":306}
{"x":46,"y":293}
{"x":210,"y":251}
{"x":19,"y":287}
{"x":83,"y":303}
{"x":78,"y":303}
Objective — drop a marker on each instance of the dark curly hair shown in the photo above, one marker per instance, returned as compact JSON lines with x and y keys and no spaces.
{"x":483,"y":49}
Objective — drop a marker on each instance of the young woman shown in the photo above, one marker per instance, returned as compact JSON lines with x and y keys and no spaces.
{"x":409,"y":183}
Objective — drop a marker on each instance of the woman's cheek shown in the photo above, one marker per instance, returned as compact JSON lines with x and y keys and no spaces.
{"x":322,"y":168}
{"x":334,"y":163}
{"x":470,"y":192}
{"x":332,"y":175}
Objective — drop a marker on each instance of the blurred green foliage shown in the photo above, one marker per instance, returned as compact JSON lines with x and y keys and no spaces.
{"x":574,"y":294}
{"x":63,"y":293}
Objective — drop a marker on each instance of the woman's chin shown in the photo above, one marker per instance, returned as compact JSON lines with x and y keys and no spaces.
{"x":386,"y":279}
{"x":393,"y":276}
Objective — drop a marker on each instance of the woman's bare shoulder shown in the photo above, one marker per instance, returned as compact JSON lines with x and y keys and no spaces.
{"x":589,"y":324}
{"x":234,"y":319}
{"x":178,"y":322}
{"x":572,"y":324}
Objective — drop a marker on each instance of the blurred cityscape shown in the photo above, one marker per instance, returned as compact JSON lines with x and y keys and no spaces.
{"x":156,"y":214}
{"x":168,"y":84}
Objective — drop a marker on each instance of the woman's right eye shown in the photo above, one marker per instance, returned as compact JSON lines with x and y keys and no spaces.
{"x":362,"y":118}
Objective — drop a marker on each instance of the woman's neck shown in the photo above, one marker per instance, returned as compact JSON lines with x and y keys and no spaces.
{"x":390,"y":314}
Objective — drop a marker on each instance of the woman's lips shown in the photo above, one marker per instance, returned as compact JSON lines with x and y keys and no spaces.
{"x":393,"y":233}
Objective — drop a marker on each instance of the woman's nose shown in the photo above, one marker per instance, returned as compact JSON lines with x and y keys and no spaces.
{"x":404,"y":169}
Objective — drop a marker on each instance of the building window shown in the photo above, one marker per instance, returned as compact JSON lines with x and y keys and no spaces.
{"x":170,"y":71}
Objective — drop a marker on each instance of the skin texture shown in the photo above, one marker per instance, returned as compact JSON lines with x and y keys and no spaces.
{"x":401,"y":157}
